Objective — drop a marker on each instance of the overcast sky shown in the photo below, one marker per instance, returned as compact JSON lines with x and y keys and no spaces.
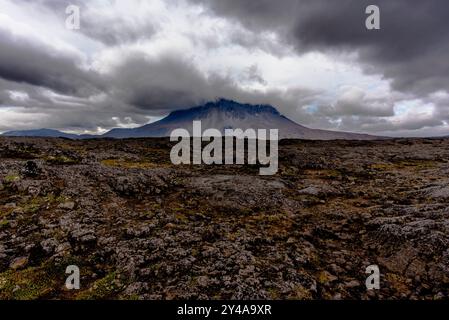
{"x":133,"y":62}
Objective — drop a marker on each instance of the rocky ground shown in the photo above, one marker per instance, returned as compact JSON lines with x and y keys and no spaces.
{"x":139,"y":227}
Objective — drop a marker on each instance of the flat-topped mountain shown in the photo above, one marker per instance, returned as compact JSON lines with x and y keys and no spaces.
{"x":221,"y":114}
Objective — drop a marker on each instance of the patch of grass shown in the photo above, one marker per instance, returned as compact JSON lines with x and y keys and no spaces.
{"x":33,"y":206}
{"x":59,"y":199}
{"x":5,"y":212}
{"x":323,"y":173}
{"x":301,"y":293}
{"x":132,"y":297}
{"x":181,"y":217}
{"x":382,"y":166}
{"x":104,"y":288}
{"x":3,"y":223}
{"x":404,"y":164}
{"x":397,"y":281}
{"x":10,"y":178}
{"x":417,"y":163}
{"x":274,"y":293}
{"x":289,"y":171}
{"x":61,"y":160}
{"x":129,"y":164}
{"x":28,"y":284}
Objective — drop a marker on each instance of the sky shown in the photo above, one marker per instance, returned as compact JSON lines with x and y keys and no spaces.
{"x":132,"y":62}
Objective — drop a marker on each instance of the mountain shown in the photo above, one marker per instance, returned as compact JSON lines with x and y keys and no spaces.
{"x":41,"y":133}
{"x":47,"y":133}
{"x":221,"y":114}
{"x":227,"y":114}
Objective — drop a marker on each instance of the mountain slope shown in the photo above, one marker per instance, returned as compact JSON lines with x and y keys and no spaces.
{"x":221,"y":114}
{"x":41,"y":133}
{"x":226,"y":114}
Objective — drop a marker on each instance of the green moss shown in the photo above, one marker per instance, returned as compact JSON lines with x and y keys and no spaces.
{"x":4,"y":212}
{"x":132,"y":297}
{"x":33,"y":206}
{"x":129,"y":164}
{"x":52,"y":199}
{"x":300,"y":293}
{"x":323,"y":173}
{"x":181,"y":217}
{"x":404,"y":164}
{"x":4,"y":223}
{"x":12,"y":178}
{"x":382,"y":166}
{"x":29,"y":284}
{"x":420,"y":164}
{"x":289,"y":171}
{"x":331,"y":174}
{"x":274,"y":293}
{"x":105,"y":288}
{"x":61,"y":160}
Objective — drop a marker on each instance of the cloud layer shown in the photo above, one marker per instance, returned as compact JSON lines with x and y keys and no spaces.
{"x":134,"y":61}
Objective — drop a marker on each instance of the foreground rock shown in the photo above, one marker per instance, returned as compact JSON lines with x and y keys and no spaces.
{"x":140,"y":228}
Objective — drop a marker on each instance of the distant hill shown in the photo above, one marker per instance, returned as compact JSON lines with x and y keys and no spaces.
{"x":48,"y":133}
{"x":41,"y":133}
{"x":221,"y":114}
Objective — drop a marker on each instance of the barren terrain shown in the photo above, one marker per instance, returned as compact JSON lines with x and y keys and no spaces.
{"x":139,"y":227}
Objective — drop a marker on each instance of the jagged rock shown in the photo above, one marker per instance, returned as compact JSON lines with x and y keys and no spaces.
{"x":49,"y":245}
{"x":82,"y":235}
{"x":69,"y":205}
{"x":201,"y":232}
{"x":19,"y":263}
{"x":352,"y":284}
{"x":31,"y":169}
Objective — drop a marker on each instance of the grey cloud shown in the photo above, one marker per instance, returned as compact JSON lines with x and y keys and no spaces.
{"x":72,"y":114}
{"x":161,"y":84}
{"x":143,"y":86}
{"x":411,"y":48}
{"x":411,"y":123}
{"x":353,"y":101}
{"x":404,"y":126}
{"x":169,"y":83}
{"x":115,"y":32}
{"x":110,"y":31}
{"x":442,"y":103}
{"x":24,"y":61}
{"x":253,"y":74}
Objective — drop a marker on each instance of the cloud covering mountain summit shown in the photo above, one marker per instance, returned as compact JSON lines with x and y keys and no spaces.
{"x":135,"y":61}
{"x":221,"y":115}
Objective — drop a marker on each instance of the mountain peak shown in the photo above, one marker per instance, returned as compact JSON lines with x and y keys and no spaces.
{"x":222,"y":105}
{"x":220,"y":114}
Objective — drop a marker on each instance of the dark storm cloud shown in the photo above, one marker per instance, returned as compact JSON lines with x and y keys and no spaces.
{"x":412,"y":47}
{"x":114,"y":32}
{"x":64,"y":112}
{"x":100,"y":27}
{"x":383,"y":125}
{"x":138,"y":87}
{"x":170,"y":82}
{"x":159,"y":83}
{"x":354,"y":102}
{"x":24,"y":61}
